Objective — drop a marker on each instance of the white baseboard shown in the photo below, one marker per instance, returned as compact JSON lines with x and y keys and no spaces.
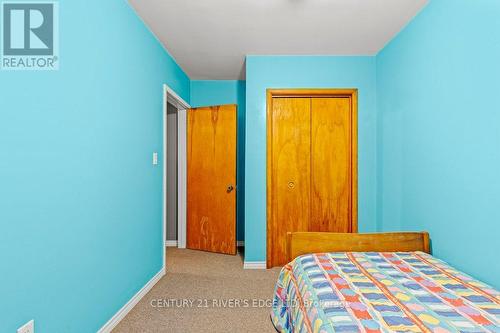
{"x":254,"y":265}
{"x":131,"y":303}
{"x":171,"y":243}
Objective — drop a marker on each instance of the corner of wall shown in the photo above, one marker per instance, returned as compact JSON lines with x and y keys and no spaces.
{"x":378,"y":155}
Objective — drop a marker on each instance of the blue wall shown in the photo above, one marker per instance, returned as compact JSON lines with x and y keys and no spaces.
{"x":264,"y":72}
{"x":439,"y":133}
{"x":206,"y":93}
{"x":80,"y":201}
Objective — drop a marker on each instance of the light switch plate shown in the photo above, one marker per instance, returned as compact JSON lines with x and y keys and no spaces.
{"x":29,"y":327}
{"x":155,"y":158}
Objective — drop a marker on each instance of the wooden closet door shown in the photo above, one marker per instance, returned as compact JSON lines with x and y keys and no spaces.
{"x":290,"y":173}
{"x":331,"y":164}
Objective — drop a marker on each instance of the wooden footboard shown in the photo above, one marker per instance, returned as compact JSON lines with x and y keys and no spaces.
{"x":299,"y":243}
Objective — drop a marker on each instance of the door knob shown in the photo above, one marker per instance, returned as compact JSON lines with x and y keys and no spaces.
{"x":230,"y":188}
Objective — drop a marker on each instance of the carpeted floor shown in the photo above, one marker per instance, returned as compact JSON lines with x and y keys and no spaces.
{"x":207,"y":280}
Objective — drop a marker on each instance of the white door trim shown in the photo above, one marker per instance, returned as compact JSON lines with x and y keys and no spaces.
{"x":170,"y":96}
{"x":181,"y":178}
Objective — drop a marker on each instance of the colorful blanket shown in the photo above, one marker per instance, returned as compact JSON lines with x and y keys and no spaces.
{"x":381,"y":292}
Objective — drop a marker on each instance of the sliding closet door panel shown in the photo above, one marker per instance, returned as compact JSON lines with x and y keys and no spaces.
{"x":290,"y":173}
{"x":211,"y":179}
{"x":331,"y":164}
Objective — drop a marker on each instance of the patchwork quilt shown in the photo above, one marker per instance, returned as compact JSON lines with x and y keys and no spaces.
{"x":381,"y":292}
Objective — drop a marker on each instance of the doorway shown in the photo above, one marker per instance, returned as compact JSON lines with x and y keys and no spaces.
{"x":206,"y":136}
{"x":172,"y":175}
{"x":311,"y":164}
{"x":174,"y":169}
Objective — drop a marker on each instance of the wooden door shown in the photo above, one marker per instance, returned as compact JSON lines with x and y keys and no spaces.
{"x":211,"y":179}
{"x":290,"y":172}
{"x":331,"y":164}
{"x":312,"y":156}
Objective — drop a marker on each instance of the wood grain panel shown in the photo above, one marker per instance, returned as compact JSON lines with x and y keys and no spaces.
{"x":290,"y":172}
{"x":320,"y":151}
{"x":211,"y":168}
{"x":299,"y":243}
{"x":331,"y":164}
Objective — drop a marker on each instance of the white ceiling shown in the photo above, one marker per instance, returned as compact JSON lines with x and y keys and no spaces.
{"x":210,"y":38}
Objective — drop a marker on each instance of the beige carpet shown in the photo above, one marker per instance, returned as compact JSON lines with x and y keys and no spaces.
{"x":203,"y":277}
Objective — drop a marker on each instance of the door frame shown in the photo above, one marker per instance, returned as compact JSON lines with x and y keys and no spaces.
{"x":311,"y":92}
{"x":170,"y":96}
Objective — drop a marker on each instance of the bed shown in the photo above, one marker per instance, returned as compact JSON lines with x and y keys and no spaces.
{"x":377,"y":283}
